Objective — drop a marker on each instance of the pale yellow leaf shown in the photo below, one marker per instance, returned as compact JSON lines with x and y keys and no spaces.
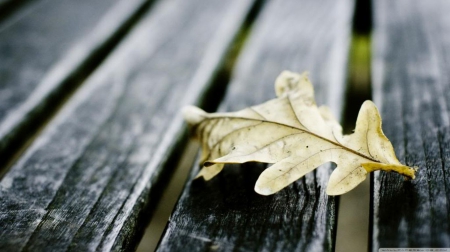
{"x":296,"y":136}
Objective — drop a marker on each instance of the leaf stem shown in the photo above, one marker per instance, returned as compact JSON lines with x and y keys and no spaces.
{"x":406,"y":171}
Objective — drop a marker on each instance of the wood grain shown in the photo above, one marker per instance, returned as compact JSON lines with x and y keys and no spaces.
{"x":411,"y":76}
{"x":225,"y":213}
{"x":91,"y":179}
{"x":46,"y":47}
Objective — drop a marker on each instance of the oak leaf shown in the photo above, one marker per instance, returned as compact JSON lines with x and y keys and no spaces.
{"x":296,"y":136}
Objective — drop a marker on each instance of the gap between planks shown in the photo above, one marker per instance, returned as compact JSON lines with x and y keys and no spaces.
{"x":354,"y":206}
{"x":168,"y":199}
{"x":353,"y":222}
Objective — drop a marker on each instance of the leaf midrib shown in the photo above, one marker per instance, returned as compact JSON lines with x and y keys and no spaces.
{"x":292,"y":127}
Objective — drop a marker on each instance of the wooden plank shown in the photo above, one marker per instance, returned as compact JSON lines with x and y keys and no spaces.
{"x":90,"y":181}
{"x":225,"y":213}
{"x":412,"y":84}
{"x":44,"y":47}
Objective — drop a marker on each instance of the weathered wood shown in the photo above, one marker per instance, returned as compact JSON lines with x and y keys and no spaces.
{"x":44,"y":47}
{"x":411,"y":77}
{"x":92,"y":177}
{"x":225,"y":213}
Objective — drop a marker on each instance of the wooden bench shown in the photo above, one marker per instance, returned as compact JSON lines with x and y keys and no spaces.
{"x":90,"y":99}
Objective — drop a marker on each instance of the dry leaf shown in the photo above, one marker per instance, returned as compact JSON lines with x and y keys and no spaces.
{"x":296,"y":136}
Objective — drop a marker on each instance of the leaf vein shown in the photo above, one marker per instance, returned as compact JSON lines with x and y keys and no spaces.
{"x":299,"y":129}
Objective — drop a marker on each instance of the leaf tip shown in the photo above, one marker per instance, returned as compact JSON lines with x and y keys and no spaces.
{"x":263,"y":190}
{"x":193,"y":115}
{"x":341,"y":182}
{"x":203,"y":175}
{"x":369,"y":103}
{"x":199,"y":175}
{"x":208,"y":172}
{"x":335,"y":191}
{"x":289,"y":81}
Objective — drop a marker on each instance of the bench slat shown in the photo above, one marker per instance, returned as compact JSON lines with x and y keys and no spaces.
{"x":225,"y":213}
{"x":44,"y":45}
{"x":412,"y":84}
{"x":91,"y":179}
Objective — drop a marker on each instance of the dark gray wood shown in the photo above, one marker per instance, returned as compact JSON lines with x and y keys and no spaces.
{"x":45,"y":48}
{"x":7,"y":7}
{"x":411,"y":77}
{"x":91,"y":179}
{"x":225,"y":213}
